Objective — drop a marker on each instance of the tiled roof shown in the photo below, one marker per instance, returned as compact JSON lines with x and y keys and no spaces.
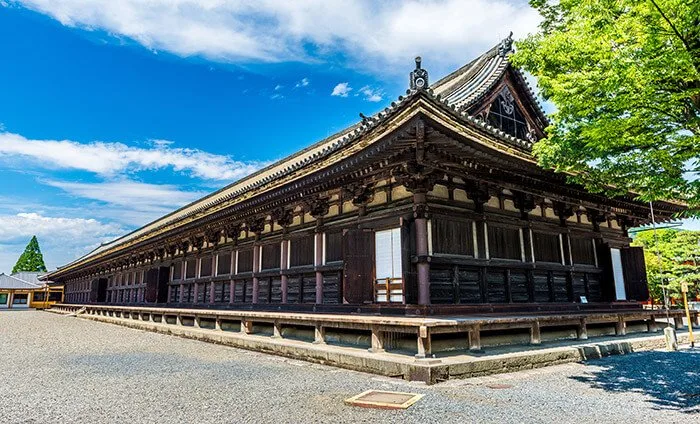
{"x":32,"y":277}
{"x":10,"y":282}
{"x":468,"y":84}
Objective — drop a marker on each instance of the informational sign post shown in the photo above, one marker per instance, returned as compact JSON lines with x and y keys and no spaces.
{"x":684,"y":290}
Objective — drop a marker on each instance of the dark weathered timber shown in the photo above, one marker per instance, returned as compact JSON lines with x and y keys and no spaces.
{"x":358,"y":275}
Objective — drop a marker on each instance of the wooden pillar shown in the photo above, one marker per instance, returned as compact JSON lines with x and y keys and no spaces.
{"x":509,"y":291}
{"x":530,"y":278}
{"x":550,"y":285}
{"x":256,"y":269}
{"x":678,"y":322}
{"x":319,"y":261}
{"x":212,"y":292}
{"x":535,"y":334}
{"x":651,"y":325}
{"x":276,"y":330}
{"x":284,"y":265}
{"x":422,"y":265}
{"x":182,"y":293}
{"x":475,"y":338}
{"x":231,"y":291}
{"x":620,"y":326}
{"x":377,"y":341}
{"x":424,"y":343}
{"x":528,"y":245}
{"x":319,"y":334}
{"x":582,"y":330}
{"x":195,"y":294}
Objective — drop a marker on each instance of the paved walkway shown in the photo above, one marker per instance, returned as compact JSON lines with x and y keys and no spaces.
{"x":69,"y":370}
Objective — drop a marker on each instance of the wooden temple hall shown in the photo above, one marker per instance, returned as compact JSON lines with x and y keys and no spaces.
{"x":434,"y":205}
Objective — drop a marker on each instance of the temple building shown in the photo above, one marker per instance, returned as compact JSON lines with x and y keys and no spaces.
{"x":434,"y":205}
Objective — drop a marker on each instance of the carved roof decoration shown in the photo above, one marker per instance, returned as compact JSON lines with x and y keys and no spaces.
{"x":453,"y":95}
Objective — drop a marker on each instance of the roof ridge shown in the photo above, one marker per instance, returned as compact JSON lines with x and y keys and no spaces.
{"x":442,"y":81}
{"x":502,"y":48}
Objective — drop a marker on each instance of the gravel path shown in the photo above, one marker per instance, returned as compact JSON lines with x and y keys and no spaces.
{"x":66,"y":370}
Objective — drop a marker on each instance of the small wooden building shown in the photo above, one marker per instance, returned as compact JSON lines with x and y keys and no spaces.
{"x":23,"y":290}
{"x":433,"y":205}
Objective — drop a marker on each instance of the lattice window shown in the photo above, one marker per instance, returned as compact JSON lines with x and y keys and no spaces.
{"x":271,"y":256}
{"x":547,"y":247}
{"x":504,"y":243}
{"x":301,"y":251}
{"x":582,"y":251}
{"x":452,"y":237}
{"x":223,"y":263}
{"x":505,"y":114}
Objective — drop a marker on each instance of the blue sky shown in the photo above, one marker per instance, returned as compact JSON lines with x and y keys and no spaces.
{"x":113,"y":113}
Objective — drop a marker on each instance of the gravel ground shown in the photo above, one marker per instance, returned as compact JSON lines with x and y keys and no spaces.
{"x":66,"y":370}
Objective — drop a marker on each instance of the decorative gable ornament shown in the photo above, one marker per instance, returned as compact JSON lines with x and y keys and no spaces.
{"x":507,"y":100}
{"x":506,"y":45}
{"x":419,"y":77}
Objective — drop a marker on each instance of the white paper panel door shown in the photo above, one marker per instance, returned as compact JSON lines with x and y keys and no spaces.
{"x":388,"y":287}
{"x":388,"y":253}
{"x":618,"y":275}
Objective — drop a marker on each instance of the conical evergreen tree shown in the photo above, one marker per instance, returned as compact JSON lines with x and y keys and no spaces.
{"x":31,"y":260}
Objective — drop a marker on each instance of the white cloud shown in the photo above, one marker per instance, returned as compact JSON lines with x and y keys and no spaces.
{"x":109,"y":159}
{"x":303,"y":83}
{"x":128,"y":193}
{"x":61,"y":239}
{"x":371,"y":94}
{"x":24,"y":225}
{"x":278,"y":87}
{"x":130,"y":202}
{"x":369,"y":33}
{"x":341,"y":90}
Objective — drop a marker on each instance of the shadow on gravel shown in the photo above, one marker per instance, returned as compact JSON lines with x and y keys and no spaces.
{"x":671,"y":379}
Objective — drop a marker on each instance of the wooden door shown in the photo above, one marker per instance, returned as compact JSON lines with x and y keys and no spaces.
{"x":163,"y":279}
{"x":410,"y":277}
{"x":151,"y":285}
{"x":635,"y":273}
{"x":93,"y":297}
{"x":102,"y":290}
{"x":358,"y":275}
{"x":607,"y":283}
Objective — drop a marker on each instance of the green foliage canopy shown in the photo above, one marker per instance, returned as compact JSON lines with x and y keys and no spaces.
{"x":680,"y":255}
{"x":31,"y":259}
{"x":624,"y":76}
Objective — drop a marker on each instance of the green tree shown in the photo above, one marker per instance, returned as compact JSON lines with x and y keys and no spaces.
{"x":680,"y":255}
{"x":31,"y":259}
{"x":624,"y":76}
